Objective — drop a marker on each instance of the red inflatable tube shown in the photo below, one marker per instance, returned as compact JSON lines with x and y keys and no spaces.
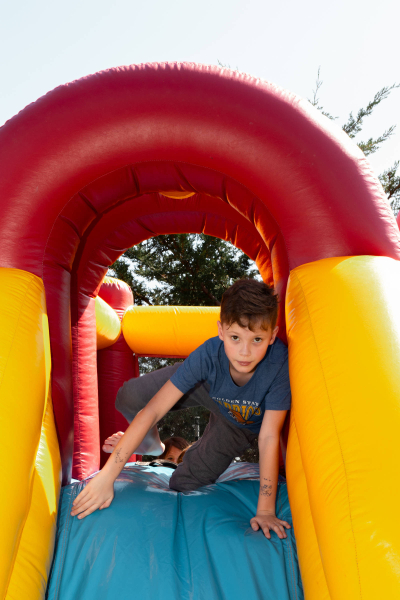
{"x":115,"y":365}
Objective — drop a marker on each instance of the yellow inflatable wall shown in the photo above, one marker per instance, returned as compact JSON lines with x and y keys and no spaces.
{"x":169,"y":330}
{"x":343,"y":323}
{"x":30,"y":461}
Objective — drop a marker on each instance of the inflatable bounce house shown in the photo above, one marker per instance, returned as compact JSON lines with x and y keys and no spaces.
{"x":103,"y":163}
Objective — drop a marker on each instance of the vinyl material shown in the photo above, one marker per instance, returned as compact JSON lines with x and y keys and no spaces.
{"x":343,"y":457}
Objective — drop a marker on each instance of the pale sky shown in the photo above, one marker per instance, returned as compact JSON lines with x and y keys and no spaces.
{"x":46,"y":43}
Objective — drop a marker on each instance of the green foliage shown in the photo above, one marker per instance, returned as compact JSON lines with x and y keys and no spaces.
{"x":391,"y":184}
{"x":389,"y":179}
{"x":315,"y":99}
{"x":354,"y":125}
{"x":181,"y":422}
{"x":188,"y":269}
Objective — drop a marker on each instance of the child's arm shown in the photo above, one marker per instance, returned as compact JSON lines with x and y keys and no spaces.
{"x":268,"y":444}
{"x":99,"y":492}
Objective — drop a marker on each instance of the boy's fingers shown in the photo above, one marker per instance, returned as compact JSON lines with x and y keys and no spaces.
{"x":83,"y":507}
{"x":79,"y":498}
{"x":281,"y":532}
{"x":106,"y":504}
{"x":266,"y":532}
{"x":88,"y":511}
{"x":286,"y":524}
{"x":79,"y":509}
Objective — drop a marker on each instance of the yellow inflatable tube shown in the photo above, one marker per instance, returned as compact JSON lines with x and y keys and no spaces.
{"x":30,"y":461}
{"x":343,"y":322}
{"x":169,"y":330}
{"x":108,"y":325}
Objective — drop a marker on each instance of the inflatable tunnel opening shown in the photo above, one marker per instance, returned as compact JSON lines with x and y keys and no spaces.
{"x":132,"y":220}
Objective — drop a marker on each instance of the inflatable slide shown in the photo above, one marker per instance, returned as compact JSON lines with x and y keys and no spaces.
{"x":103,"y":163}
{"x":156,"y":543}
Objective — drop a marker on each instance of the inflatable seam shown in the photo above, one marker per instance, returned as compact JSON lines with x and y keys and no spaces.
{"x":293,"y":425}
{"x":77,"y":409}
{"x":64,"y":543}
{"x":290,"y":554}
{"x":334,"y":423}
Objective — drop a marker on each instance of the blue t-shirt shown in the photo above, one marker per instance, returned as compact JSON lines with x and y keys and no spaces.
{"x":268,"y":388}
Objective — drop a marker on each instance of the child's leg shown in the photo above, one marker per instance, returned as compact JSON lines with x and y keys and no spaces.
{"x":211,"y":455}
{"x":136,"y":393}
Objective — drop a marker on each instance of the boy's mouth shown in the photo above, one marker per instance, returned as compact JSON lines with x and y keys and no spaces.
{"x":244,"y":363}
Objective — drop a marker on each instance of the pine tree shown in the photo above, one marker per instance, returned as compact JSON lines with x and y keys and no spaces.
{"x":389,"y":179}
{"x":185,"y":270}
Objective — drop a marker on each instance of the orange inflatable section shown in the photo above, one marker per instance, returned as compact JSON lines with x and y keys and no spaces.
{"x":169,"y":330}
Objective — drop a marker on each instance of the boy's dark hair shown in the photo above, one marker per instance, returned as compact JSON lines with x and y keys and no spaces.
{"x":248,"y":303}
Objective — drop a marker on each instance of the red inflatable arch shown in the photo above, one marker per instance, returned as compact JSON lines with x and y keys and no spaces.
{"x":84,"y":170}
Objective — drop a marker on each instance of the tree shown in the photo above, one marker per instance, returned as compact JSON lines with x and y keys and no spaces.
{"x":186,"y":270}
{"x":181,"y":269}
{"x":389,"y":179}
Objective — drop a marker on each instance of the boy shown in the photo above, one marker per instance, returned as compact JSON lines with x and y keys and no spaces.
{"x":241,"y":376}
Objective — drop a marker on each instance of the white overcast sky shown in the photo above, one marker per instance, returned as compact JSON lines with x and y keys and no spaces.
{"x":45,"y":43}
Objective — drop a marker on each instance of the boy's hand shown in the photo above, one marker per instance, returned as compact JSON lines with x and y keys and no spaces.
{"x":98,"y":493}
{"x":267,"y":521}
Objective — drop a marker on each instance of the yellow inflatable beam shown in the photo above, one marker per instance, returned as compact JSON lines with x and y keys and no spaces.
{"x":108,"y":325}
{"x":343,"y":323}
{"x":169,"y":330}
{"x":30,"y":460}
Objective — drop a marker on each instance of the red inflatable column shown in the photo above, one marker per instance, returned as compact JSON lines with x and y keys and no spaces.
{"x":115,"y":365}
{"x":86,"y":416}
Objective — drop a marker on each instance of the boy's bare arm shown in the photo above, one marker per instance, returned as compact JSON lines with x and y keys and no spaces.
{"x":99,"y":491}
{"x":268,"y":443}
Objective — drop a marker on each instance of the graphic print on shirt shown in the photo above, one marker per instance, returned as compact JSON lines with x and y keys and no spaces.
{"x":240,"y":412}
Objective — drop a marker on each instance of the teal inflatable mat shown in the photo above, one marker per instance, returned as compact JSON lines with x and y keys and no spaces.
{"x":154,"y":543}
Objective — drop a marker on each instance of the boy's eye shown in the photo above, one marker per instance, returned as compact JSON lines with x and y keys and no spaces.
{"x":258,"y":340}
{"x":235,"y":338}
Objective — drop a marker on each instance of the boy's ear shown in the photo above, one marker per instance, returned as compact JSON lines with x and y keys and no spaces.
{"x":274,"y":334}
{"x":220,"y":332}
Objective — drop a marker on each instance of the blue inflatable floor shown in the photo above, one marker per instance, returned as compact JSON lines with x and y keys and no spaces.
{"x":154,"y":543}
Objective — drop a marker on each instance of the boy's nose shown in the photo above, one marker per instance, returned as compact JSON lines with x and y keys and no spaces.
{"x":245,"y":350}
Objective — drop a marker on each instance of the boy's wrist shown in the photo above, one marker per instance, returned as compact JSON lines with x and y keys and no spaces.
{"x":263,"y":507}
{"x":266,"y":511}
{"x":109,"y":471}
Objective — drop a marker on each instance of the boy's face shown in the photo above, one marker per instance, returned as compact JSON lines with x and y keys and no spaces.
{"x":243,"y":347}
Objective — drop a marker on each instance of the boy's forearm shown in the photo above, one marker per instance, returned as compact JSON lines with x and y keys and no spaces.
{"x":129,"y":442}
{"x":147,"y":418}
{"x":269,"y":471}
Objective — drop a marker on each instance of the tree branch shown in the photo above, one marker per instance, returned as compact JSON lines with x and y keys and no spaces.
{"x":354,"y":125}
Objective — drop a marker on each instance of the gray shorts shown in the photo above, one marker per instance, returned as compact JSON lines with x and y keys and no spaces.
{"x":207,"y":458}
